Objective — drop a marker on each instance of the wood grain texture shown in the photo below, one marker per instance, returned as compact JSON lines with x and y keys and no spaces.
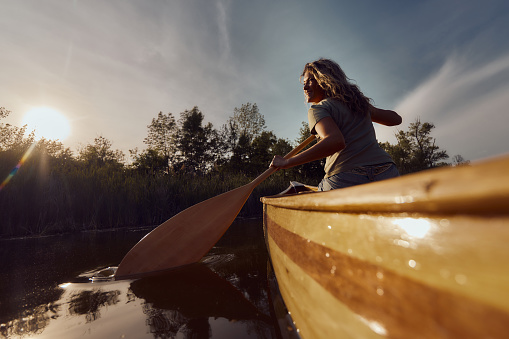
{"x":401,"y":307}
{"x":186,"y":237}
{"x":398,"y":259}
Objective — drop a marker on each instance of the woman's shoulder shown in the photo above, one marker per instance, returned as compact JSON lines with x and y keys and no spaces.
{"x":325,"y":103}
{"x":331,"y":105}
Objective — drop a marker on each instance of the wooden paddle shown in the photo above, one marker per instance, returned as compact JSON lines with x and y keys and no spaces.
{"x":188,"y":236}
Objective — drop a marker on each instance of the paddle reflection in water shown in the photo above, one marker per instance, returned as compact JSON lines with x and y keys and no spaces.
{"x":224,"y":296}
{"x":200,"y":295}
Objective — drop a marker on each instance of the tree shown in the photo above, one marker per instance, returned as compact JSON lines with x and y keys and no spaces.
{"x":236,"y":137}
{"x":60,"y":157}
{"x":15,"y":147}
{"x":416,"y":150}
{"x":281,"y":147}
{"x":426,"y":151}
{"x":229,"y":136}
{"x":311,"y":170}
{"x":195,"y":142}
{"x":458,"y":160}
{"x":100,"y":154}
{"x":12,"y":137}
{"x":247,"y":120}
{"x":4,"y":112}
{"x":239,"y":159}
{"x":261,"y":152}
{"x":161,"y":136}
{"x":150,"y":161}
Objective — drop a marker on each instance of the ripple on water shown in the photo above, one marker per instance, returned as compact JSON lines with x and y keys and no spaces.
{"x":99,"y":274}
{"x":217,"y":259}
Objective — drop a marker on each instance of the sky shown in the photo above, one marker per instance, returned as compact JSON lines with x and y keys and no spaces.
{"x":111,"y":66}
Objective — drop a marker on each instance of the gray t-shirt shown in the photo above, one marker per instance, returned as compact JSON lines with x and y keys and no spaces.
{"x":361,"y":149}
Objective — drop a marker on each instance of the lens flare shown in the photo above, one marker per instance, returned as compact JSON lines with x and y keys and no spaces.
{"x":16,"y":168}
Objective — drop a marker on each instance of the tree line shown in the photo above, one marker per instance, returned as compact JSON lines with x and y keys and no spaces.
{"x":188,"y":146}
{"x":416,"y":150}
{"x":47,"y":188}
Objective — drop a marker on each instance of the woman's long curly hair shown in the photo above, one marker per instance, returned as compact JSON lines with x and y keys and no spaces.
{"x":337,"y":85}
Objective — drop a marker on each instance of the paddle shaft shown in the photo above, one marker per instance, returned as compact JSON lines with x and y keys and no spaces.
{"x":189,"y":235}
{"x":271,"y":170}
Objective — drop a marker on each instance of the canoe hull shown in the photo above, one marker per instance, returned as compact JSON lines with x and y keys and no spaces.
{"x":394,"y":273}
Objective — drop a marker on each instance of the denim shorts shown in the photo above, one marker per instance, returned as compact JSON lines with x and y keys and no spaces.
{"x":358,"y":176}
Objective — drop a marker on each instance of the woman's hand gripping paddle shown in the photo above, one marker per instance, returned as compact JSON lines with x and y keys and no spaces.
{"x":188,"y":236}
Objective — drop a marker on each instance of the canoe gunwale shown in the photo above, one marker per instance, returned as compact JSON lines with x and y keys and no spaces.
{"x":477,"y":189}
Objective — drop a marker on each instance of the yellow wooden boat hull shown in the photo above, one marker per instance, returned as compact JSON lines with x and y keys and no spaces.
{"x":420,"y":256}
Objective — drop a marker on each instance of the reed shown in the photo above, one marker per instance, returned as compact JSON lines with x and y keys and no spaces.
{"x":57,"y":199}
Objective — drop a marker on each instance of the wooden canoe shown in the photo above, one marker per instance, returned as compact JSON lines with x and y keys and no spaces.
{"x":420,"y":256}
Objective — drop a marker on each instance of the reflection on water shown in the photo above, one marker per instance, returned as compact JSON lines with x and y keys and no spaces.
{"x":87,"y":303}
{"x":224,"y":296}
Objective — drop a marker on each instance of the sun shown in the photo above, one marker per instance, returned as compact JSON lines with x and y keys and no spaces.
{"x":48,"y":123}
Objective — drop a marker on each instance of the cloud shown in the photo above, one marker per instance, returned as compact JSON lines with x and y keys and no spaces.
{"x":222,"y":21}
{"x":112,"y":66}
{"x":467,"y":102}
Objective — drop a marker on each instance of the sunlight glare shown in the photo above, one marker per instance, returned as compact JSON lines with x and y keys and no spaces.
{"x":47,"y":123}
{"x":375,"y":326}
{"x":414,"y":227}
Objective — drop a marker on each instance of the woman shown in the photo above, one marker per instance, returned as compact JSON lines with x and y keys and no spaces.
{"x":342,"y":118}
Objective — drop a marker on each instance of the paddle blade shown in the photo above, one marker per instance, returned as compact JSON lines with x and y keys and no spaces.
{"x":186,"y":237}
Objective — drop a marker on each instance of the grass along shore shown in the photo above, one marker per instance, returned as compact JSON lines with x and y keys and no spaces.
{"x":77,"y":200}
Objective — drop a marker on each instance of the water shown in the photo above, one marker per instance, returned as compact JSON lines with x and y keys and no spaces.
{"x":45,"y":290}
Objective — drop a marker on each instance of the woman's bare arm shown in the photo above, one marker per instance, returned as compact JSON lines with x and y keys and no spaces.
{"x":331,"y":141}
{"x":385,"y":117}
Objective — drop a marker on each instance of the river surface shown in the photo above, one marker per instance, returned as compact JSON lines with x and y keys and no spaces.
{"x":46,"y":290}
